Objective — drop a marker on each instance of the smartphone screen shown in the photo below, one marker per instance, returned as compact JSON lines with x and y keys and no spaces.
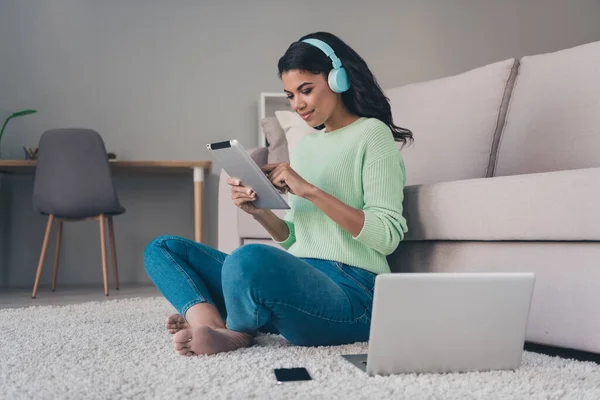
{"x":291,"y":374}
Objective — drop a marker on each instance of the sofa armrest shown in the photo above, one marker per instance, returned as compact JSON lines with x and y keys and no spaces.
{"x":560,"y":205}
{"x":228,"y":229}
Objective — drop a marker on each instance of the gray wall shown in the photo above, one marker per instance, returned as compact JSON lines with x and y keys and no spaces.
{"x":159,"y":79}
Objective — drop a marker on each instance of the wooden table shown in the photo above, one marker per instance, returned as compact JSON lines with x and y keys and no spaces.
{"x":197,"y":168}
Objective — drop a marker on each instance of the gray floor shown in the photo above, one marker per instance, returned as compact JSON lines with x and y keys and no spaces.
{"x":14,"y":298}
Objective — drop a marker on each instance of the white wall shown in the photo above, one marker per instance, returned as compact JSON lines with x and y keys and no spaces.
{"x":159,"y":79}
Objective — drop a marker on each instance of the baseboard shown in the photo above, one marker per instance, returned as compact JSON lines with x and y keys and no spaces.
{"x":562,"y":352}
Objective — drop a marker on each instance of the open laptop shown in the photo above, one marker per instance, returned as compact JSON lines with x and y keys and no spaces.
{"x":447,"y":322}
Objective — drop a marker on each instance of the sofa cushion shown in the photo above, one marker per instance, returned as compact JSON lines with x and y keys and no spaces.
{"x":294,"y":127}
{"x":553,"y":119}
{"x":278,"y":146}
{"x":454,"y":121}
{"x":560,"y":205}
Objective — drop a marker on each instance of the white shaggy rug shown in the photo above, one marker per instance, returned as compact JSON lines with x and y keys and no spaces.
{"x":120,"y":350}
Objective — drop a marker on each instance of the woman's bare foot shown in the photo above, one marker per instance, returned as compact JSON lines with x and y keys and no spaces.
{"x":175,"y":323}
{"x":206,"y":340}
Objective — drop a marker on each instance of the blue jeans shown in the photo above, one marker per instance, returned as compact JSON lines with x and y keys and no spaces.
{"x":311,"y":302}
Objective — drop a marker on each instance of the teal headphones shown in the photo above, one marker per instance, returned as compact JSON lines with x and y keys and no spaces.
{"x":338,"y":77}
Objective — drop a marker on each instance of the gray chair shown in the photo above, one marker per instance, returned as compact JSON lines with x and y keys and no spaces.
{"x":73,"y":182}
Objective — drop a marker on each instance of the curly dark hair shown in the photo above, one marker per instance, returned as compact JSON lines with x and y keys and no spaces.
{"x":365,"y":97}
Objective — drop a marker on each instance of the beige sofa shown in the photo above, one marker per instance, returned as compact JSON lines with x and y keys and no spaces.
{"x":504,"y":175}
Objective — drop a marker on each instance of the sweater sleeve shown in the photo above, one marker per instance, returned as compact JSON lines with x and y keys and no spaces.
{"x":383,"y":187}
{"x":289,"y":220}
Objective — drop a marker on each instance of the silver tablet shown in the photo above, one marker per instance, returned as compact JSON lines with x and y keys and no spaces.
{"x":236,"y":161}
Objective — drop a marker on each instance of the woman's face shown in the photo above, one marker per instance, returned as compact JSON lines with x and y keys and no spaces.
{"x":310,"y":96}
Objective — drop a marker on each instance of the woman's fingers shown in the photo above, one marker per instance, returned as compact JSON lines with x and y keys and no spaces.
{"x":239,"y":193}
{"x":233,"y":182}
{"x":277,"y":180}
{"x":243,"y":202}
{"x":242,"y":190}
{"x":243,"y":196}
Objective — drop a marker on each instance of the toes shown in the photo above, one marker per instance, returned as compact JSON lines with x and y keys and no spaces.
{"x":175,"y":322}
{"x":184,"y":335}
{"x":175,"y":319}
{"x":182,"y":339}
{"x":186,"y":353}
{"x":182,"y":347}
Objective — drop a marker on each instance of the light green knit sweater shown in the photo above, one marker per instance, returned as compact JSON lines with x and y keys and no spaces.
{"x":360,"y":165}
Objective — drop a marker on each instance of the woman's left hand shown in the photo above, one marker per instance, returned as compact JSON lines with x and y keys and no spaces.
{"x":283,"y":177}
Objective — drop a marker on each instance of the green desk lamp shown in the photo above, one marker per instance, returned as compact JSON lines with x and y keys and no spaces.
{"x":17,"y":114}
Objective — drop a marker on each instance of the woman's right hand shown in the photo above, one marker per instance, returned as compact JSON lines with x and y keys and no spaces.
{"x":242,"y":196}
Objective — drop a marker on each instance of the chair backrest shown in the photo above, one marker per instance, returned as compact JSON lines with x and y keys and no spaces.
{"x":73,"y":177}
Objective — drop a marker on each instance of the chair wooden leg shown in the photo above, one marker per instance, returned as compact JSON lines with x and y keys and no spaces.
{"x":103,"y":248}
{"x":113,"y":250}
{"x":56,"y":255}
{"x":42,"y":255}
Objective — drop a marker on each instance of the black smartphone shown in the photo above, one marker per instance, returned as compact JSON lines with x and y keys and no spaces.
{"x":291,"y":374}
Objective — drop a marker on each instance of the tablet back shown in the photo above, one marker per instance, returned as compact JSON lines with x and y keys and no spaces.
{"x":236,"y":161}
